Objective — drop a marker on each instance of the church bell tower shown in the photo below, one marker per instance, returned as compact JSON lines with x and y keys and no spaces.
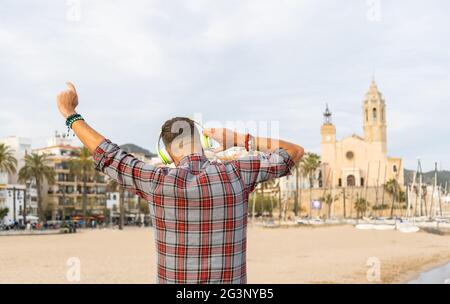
{"x":328,"y":130}
{"x":328,"y":147}
{"x":375,"y":117}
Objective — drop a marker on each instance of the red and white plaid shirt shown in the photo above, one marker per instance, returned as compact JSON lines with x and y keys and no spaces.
{"x":199,"y":209}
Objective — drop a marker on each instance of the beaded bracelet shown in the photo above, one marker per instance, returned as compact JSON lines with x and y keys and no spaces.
{"x":71,"y":119}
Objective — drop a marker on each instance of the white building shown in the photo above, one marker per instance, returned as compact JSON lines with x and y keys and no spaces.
{"x":112,"y":201}
{"x":20,"y":147}
{"x":59,"y":140}
{"x":12,"y":195}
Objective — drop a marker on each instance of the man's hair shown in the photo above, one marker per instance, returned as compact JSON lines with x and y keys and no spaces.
{"x":178,"y":127}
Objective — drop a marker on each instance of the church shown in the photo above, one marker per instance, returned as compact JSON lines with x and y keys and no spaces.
{"x":360,"y":161}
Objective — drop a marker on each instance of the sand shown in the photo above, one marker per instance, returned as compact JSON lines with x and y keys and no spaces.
{"x":283,"y":255}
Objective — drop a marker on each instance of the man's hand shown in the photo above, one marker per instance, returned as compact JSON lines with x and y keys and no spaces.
{"x":225,"y":137}
{"x":67,"y":100}
{"x":228,"y":138}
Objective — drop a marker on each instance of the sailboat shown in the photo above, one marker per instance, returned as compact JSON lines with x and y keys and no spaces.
{"x":408,"y":227}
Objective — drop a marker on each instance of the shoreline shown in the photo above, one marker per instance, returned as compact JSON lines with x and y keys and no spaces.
{"x":414,"y":275}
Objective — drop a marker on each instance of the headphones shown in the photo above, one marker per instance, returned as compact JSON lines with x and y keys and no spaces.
{"x":165,"y":157}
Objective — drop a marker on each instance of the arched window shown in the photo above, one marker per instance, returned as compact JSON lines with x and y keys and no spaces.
{"x":351,"y":181}
{"x":374,"y":114}
{"x":394,"y":169}
{"x":367,"y":116}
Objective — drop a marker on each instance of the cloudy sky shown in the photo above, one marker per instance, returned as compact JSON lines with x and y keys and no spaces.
{"x":137,"y":63}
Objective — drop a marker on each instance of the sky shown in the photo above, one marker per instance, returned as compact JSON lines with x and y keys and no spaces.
{"x":138,"y":63}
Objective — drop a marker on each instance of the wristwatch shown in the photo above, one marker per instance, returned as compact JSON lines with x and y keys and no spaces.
{"x":250,"y":144}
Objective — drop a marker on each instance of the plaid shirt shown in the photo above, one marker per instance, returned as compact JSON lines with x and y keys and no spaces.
{"x":199,"y":209}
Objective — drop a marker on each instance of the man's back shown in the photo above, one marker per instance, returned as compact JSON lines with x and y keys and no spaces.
{"x":200,"y":216}
{"x":199,"y":209}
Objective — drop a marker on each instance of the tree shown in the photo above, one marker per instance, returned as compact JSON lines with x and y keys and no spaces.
{"x":36,"y":168}
{"x":3,"y":213}
{"x":329,"y":200}
{"x":82,"y":167}
{"x":114,"y":186}
{"x":8,"y":162}
{"x":297,"y":187}
{"x":309,"y":164}
{"x":361,"y":206}
{"x":269,"y":185}
{"x":393,"y":187}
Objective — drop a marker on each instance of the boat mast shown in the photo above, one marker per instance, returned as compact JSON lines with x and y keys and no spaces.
{"x":411,"y":188}
{"x":367,"y":184}
{"x":332,"y":190}
{"x":384,"y":186}
{"x":419,"y":168}
{"x":378,"y":183}
{"x":433,"y":193}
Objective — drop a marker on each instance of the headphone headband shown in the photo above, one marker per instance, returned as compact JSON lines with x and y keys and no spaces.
{"x":165,"y":156}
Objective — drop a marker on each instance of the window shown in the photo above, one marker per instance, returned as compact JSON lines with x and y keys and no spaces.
{"x":367,"y":116}
{"x":351,"y":181}
{"x":350,"y":155}
{"x":394,"y":168}
{"x":362,"y":181}
{"x":374,"y":114}
{"x":340,"y":182}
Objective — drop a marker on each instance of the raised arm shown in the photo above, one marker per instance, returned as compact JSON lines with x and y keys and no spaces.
{"x":277,"y":159}
{"x":67,"y":102}
{"x":228,"y":138}
{"x":121,"y":166}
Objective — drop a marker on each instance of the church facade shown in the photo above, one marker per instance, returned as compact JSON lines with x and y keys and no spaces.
{"x":360,"y":161}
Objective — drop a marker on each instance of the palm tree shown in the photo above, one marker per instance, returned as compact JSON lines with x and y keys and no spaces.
{"x":36,"y":167}
{"x":361,"y":206}
{"x":114,"y":186}
{"x":8,"y":162}
{"x":329,"y":200}
{"x":296,"y":201}
{"x":309,"y":164}
{"x":83,"y":167}
{"x":3,"y":212}
{"x":268,"y":185}
{"x":393,"y":187}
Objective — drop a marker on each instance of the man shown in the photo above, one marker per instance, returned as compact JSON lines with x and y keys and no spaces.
{"x":199,"y":209}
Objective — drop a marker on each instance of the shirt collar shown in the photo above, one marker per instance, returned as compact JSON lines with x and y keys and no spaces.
{"x":194,"y":161}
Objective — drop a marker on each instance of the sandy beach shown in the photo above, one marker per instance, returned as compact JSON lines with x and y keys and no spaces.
{"x":283,"y":255}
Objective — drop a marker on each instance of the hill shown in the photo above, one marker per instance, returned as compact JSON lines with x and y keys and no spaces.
{"x":132,"y":148}
{"x":428,"y":177}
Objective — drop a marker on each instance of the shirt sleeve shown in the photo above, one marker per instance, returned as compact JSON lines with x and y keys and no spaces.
{"x":127,"y":170}
{"x":259,"y":168}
